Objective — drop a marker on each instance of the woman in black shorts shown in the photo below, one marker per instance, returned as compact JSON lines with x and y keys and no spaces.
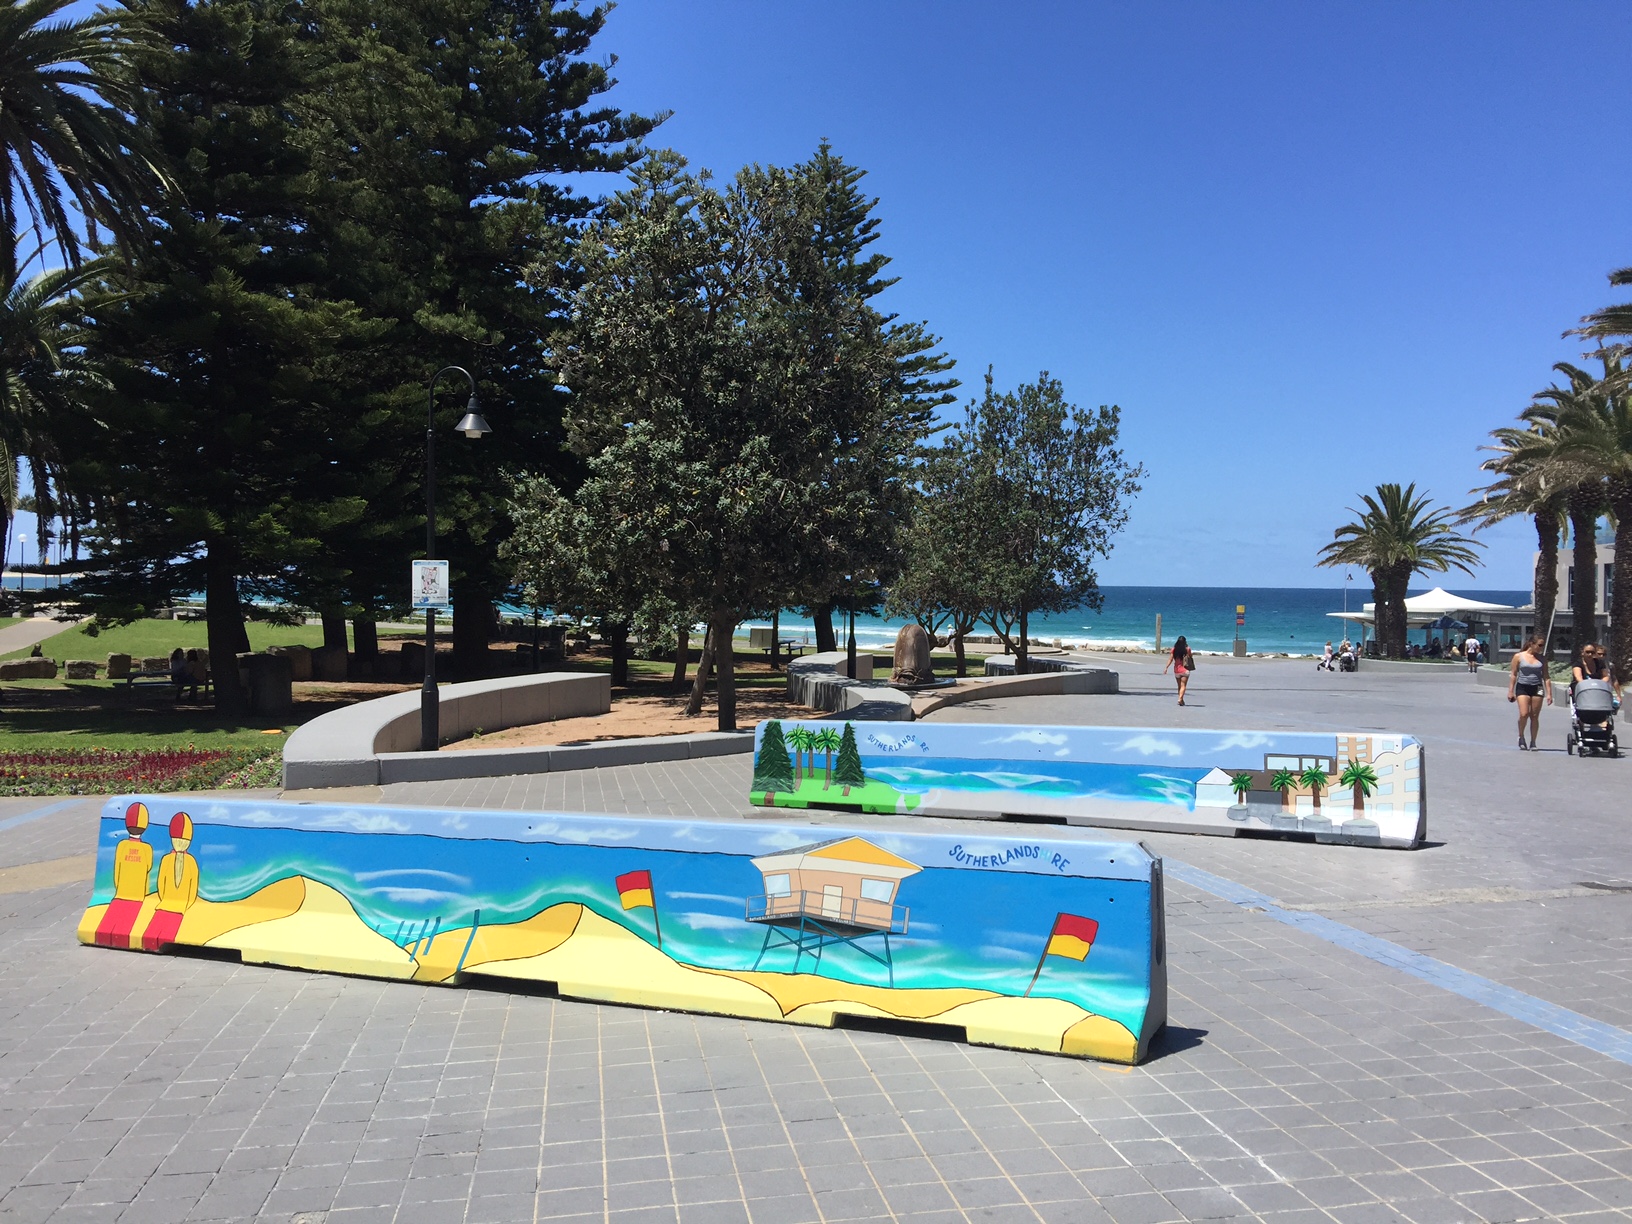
{"x":1527,"y":680}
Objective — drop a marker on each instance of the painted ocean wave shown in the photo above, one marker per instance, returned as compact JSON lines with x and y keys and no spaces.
{"x":1062,"y":779}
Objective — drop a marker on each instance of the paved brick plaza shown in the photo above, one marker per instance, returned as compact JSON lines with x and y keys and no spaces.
{"x":1314,"y":1070}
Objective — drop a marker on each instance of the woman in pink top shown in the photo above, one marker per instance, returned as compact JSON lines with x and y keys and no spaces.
{"x":1183,"y":663}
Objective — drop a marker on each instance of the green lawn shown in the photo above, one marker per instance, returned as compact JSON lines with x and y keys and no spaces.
{"x":160,"y":637}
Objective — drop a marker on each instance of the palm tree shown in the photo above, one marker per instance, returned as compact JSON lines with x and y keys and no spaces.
{"x":1363,"y":778}
{"x":827,"y":740}
{"x":1315,"y":779}
{"x":66,"y":87}
{"x":1283,"y":781}
{"x":1241,"y":784}
{"x":1398,"y":534}
{"x":1592,"y":449}
{"x":1522,"y":487}
{"x":802,"y":738}
{"x":45,"y":378}
{"x":1586,"y":498}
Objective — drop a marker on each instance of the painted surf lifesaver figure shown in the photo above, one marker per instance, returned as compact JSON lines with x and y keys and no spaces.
{"x":178,"y":885}
{"x":132,"y":865}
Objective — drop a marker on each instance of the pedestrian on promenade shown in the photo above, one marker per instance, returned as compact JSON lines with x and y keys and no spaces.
{"x":1527,"y":680}
{"x":1594,"y":666}
{"x":1183,"y":663}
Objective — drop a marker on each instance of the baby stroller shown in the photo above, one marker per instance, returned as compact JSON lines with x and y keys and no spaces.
{"x":1347,"y":662}
{"x":1592,"y":719}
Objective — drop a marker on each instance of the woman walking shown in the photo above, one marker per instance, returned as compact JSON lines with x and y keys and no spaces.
{"x":1183,"y":663}
{"x":1527,"y":680}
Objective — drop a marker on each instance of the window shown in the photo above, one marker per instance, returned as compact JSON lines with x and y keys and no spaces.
{"x":1569,"y":591}
{"x":777,"y":885}
{"x":1282,"y":762}
{"x":877,"y":890}
{"x":1609,"y":583}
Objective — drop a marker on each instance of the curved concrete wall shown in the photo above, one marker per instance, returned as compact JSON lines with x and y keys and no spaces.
{"x":357,"y":745}
{"x":815,"y":682}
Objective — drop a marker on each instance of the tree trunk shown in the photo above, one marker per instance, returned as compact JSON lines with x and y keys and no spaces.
{"x":1620,"y":591}
{"x":617,"y":637}
{"x":1022,"y":651}
{"x":1546,"y":583}
{"x":365,"y":637}
{"x":776,"y":629}
{"x":224,"y":622}
{"x":1585,"y":503}
{"x":472,"y":629}
{"x":334,"y":630}
{"x":822,"y":616}
{"x":957,"y":651}
{"x":682,"y":653}
{"x":699,"y":687}
{"x":724,"y":623}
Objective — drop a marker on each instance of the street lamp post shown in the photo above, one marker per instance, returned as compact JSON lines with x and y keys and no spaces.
{"x":472,"y":426}
{"x":850,"y":601}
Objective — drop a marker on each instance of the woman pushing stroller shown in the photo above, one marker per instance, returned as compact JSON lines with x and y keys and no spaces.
{"x":1595,"y":696}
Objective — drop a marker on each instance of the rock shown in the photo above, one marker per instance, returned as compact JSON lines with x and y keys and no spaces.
{"x":912,"y":658}
{"x":270,"y":693}
{"x":156,"y":663}
{"x":118,"y":666}
{"x":329,"y":663}
{"x":79,"y":669}
{"x":300,"y":660}
{"x":29,"y":669}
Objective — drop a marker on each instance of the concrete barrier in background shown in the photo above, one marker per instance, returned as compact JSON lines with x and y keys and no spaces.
{"x":1362,"y":788}
{"x":1054,"y":944}
{"x":372,"y":742}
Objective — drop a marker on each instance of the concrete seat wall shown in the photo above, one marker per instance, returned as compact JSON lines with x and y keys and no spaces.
{"x":1049,"y":944}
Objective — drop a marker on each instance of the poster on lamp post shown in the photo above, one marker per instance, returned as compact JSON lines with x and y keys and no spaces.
{"x":429,"y":586}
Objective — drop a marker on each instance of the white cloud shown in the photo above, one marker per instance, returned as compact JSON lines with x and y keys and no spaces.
{"x":413,"y":896}
{"x":1031,"y":737}
{"x":784,"y":839}
{"x":691,"y":833}
{"x":358,"y":823}
{"x":572,"y":833}
{"x":455,"y":821}
{"x":1149,"y":745}
{"x":691,"y":896}
{"x":699,"y":921}
{"x":1241,"y":739}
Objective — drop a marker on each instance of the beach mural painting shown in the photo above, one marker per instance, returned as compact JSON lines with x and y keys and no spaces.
{"x":1364,"y":788}
{"x":1029,"y":943}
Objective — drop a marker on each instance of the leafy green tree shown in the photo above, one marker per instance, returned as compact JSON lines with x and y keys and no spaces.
{"x":1400,"y":533}
{"x":1241,"y":784}
{"x":827,"y":741}
{"x":1050,"y":491}
{"x":939,"y":583}
{"x":442,"y":196}
{"x":1362,"y":778}
{"x":67,"y":140}
{"x":1314,"y":779}
{"x":215,"y":356}
{"x":848,"y":772}
{"x":742,"y":451}
{"x":772,"y":771}
{"x":1283,"y":780}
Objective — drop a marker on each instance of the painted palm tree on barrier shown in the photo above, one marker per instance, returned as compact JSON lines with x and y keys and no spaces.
{"x":1363,"y":780}
{"x":802,"y":738}
{"x":827,"y":740}
{"x":1315,"y":779}
{"x":1282,"y":780}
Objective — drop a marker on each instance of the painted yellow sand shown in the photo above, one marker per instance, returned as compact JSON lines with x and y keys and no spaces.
{"x":602,"y":960}
{"x":541,"y":933}
{"x":324,"y":934}
{"x":305,"y":924}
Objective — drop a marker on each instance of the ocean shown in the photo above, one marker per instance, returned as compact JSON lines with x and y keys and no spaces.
{"x":1279,"y":620}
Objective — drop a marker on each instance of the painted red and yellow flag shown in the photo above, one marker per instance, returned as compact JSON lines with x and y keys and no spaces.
{"x":1072,"y":936}
{"x":635,"y":890}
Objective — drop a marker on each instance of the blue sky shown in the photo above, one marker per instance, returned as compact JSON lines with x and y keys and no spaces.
{"x":1306,"y":248}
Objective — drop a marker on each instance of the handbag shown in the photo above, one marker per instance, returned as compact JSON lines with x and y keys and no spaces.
{"x":1189,"y":661}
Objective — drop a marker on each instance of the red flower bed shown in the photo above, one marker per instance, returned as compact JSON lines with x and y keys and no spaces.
{"x":101,"y":771}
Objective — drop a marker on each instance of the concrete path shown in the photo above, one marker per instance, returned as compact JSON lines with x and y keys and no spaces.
{"x":26,"y":633}
{"x":1357,"y":1035}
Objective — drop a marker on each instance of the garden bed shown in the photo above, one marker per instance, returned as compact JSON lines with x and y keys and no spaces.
{"x":103,"y":771}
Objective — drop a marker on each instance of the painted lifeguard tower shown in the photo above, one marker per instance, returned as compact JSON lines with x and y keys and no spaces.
{"x":827,"y":893}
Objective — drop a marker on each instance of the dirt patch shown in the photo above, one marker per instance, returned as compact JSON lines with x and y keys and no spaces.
{"x":637,"y":716}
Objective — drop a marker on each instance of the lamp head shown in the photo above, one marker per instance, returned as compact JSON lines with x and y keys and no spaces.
{"x":472,"y":425}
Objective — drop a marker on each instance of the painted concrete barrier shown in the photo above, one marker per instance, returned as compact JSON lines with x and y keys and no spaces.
{"x":1363,"y":788}
{"x":363,"y":744}
{"x":1030,"y":943}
